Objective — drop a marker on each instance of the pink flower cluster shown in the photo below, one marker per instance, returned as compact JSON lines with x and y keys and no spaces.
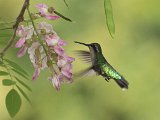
{"x":48,"y":52}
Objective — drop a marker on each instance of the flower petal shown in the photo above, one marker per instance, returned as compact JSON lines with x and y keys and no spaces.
{"x":43,"y":8}
{"x":20,"y":31}
{"x":68,"y":58}
{"x":47,"y":27}
{"x":20,"y":42}
{"x":34,"y":46}
{"x":61,"y":62}
{"x":41,"y":5}
{"x":36,"y":73}
{"x":52,"y":17}
{"x":22,"y":51}
{"x":51,"y":39}
{"x":56,"y":80}
{"x":59,"y":50}
{"x":29,"y":31}
{"x":67,"y":74}
{"x":62,"y":42}
{"x":67,"y":71}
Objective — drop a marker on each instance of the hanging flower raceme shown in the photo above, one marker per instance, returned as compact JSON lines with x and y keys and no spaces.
{"x":55,"y":47}
{"x":46,"y":52}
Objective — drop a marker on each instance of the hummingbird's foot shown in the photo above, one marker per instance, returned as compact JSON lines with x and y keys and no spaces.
{"x":106,"y":79}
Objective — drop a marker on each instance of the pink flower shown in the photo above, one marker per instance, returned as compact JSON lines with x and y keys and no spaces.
{"x":51,"y":39}
{"x":45,"y":12}
{"x":59,"y":50}
{"x":61,"y":42}
{"x":20,"y":42}
{"x":67,"y":71}
{"x":31,"y":52}
{"x":22,"y":51}
{"x":46,"y":27}
{"x":43,"y":8}
{"x":20,"y":31}
{"x":38,"y":58}
{"x":51,"y":17}
{"x":68,"y":58}
{"x":56,"y":81}
{"x":50,"y":35}
{"x":36,"y":73}
{"x":63,"y":60}
{"x":24,"y":33}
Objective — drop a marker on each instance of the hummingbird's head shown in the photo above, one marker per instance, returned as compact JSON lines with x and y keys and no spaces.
{"x":93,"y":46}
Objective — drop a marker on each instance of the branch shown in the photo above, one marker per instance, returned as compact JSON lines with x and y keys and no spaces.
{"x":19,"y":19}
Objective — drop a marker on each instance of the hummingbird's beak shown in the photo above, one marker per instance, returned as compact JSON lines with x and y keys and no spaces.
{"x":82,"y":43}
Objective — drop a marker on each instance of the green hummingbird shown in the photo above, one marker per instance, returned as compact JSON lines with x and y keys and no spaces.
{"x":100,"y":65}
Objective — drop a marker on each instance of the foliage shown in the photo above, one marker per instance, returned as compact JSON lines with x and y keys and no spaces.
{"x":14,"y":76}
{"x":109,"y":17}
{"x":13,"y":102}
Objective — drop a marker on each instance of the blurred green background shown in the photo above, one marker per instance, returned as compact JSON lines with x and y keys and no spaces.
{"x":135,"y":53}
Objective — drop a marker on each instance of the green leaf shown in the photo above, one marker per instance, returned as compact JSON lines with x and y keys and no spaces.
{"x":21,"y":74}
{"x":1,"y":63}
{"x":13,"y":102}
{"x":3,"y":73}
{"x":16,"y":66}
{"x":22,"y":83}
{"x":109,"y":17}
{"x":4,"y":36}
{"x":24,"y":94}
{"x":8,"y":82}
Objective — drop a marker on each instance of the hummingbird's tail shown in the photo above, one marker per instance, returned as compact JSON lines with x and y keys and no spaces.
{"x":122,"y":83}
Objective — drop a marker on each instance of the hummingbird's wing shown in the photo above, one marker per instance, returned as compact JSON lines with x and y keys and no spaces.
{"x":84,"y":55}
{"x":87,"y":72}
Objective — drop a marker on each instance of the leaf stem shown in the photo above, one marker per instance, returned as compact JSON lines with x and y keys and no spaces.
{"x":6,"y":28}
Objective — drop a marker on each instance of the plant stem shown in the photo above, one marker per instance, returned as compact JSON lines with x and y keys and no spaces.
{"x":40,"y":41}
{"x":39,"y":38}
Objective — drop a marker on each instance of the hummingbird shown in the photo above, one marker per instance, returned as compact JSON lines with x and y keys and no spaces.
{"x":100,"y":66}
